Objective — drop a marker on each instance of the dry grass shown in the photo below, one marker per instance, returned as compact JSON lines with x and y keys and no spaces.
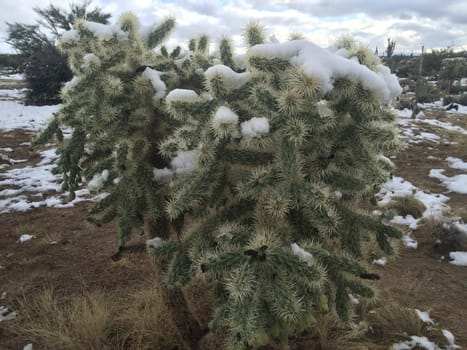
{"x":147,"y":324}
{"x":408,"y":205}
{"x":96,"y":321}
{"x":80,"y":323}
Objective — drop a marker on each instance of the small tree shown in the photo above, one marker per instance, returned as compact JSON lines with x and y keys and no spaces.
{"x":390,"y":51}
{"x":44,"y":67}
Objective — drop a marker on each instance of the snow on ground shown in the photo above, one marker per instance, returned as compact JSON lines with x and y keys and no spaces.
{"x":12,"y":76}
{"x":459,"y":258}
{"x":6,"y":314}
{"x":11,"y":93}
{"x":30,"y":186}
{"x":456,"y":163}
{"x":15,"y":115}
{"x":457,"y":183}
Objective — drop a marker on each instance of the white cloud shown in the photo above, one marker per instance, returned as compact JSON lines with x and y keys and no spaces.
{"x":414,"y":23}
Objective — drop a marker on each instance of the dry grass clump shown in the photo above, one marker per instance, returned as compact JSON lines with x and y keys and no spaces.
{"x":443,"y":234}
{"x":83,"y":322}
{"x":146,"y":323}
{"x":408,"y":205}
{"x":96,"y":321}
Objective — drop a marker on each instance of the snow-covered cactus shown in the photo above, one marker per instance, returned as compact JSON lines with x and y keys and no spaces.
{"x":274,"y":161}
{"x":115,"y":106}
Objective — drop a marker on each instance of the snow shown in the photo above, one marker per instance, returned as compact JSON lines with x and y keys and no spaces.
{"x":18,"y":116}
{"x":424,"y":316}
{"x":451,"y":340}
{"x":182,"y":95}
{"x":25,"y":237}
{"x":163,"y":175}
{"x":422,"y":342}
{"x":459,"y":258}
{"x":71,"y":84}
{"x":323,"y":109}
{"x":154,"y":243}
{"x":444,"y":125}
{"x":302,"y":254}
{"x":457,"y":183}
{"x":381,"y":261}
{"x":456,"y":163}
{"x":28,"y":347}
{"x":70,"y":36}
{"x":353,"y":299}
{"x":159,"y":86}
{"x":185,"y":162}
{"x":326,"y":67}
{"x":407,"y":220}
{"x":105,"y":31}
{"x":231,"y":79}
{"x":409,"y":241}
{"x":224,"y":116}
{"x":5,"y":314}
{"x":90,"y":60}
{"x":255,"y":127}
{"x":98,"y":181}
{"x":398,"y":187}
{"x":33,"y":186}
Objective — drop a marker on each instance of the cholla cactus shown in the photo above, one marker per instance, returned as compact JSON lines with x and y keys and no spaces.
{"x":274,"y":160}
{"x":115,"y":106}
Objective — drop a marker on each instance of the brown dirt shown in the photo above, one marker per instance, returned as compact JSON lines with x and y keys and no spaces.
{"x":81,"y":258}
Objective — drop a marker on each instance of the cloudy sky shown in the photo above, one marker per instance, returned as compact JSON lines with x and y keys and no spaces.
{"x":411,"y":23}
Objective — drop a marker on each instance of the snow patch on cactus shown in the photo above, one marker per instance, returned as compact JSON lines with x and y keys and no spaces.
{"x":224,"y":116}
{"x":302,"y":254}
{"x":163,"y":175}
{"x":232,"y":79}
{"x":71,"y":84}
{"x":185,"y":162}
{"x":155,"y":77}
{"x":70,"y":36}
{"x":91,"y":59}
{"x":255,"y":127}
{"x":98,"y":181}
{"x":326,"y":67}
{"x":182,"y":95}
{"x":105,"y":31}
{"x":323,"y":109}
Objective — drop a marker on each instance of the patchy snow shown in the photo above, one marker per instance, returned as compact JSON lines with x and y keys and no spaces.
{"x":224,"y":117}
{"x":105,"y":31}
{"x":416,"y":341}
{"x":255,"y":127}
{"x":33,"y":186}
{"x":185,"y":162}
{"x":98,"y":181}
{"x":231,"y":79}
{"x":69,"y":85}
{"x":381,"y":261}
{"x":25,"y":237}
{"x":6,"y":314}
{"x":407,"y":220}
{"x":302,"y":254}
{"x":459,"y":258}
{"x":457,"y":183}
{"x":424,"y":316}
{"x":444,"y":125}
{"x":28,"y":347}
{"x":18,"y":116}
{"x":182,"y":95}
{"x":409,"y":241}
{"x":6,"y":94}
{"x":159,"y":86}
{"x":450,"y":339}
{"x":91,"y":60}
{"x":323,"y":109}
{"x":70,"y":36}
{"x":456,"y":163}
{"x":325,"y":66}
{"x":398,"y":187}
{"x":163,"y":175}
{"x":154,"y":243}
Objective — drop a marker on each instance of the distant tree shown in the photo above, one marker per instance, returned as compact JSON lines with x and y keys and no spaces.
{"x":451,"y":70}
{"x":44,"y":67}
